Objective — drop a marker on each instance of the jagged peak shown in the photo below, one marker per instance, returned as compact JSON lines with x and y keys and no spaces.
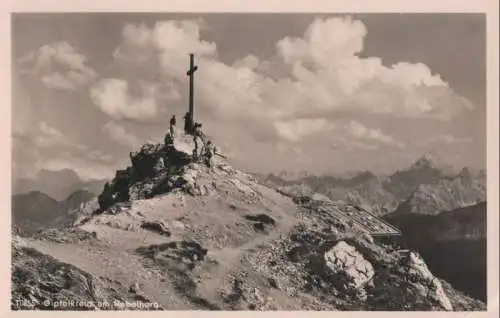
{"x":35,"y":194}
{"x":428,"y":160}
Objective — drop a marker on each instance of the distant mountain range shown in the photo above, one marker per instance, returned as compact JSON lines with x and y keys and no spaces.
{"x":445,"y":194}
{"x":403,"y":189}
{"x":204,"y":236}
{"x":58,"y":184}
{"x":440,"y":211}
{"x":35,"y":210}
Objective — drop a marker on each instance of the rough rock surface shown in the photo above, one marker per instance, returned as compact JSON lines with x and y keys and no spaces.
{"x":298,"y":257}
{"x":426,"y":283}
{"x":352,"y":270}
{"x":40,"y":281}
{"x":445,"y":195}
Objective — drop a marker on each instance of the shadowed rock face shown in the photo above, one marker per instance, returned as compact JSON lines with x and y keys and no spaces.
{"x":189,"y":236}
{"x":35,"y":211}
{"x":453,"y":243}
{"x":141,"y":180}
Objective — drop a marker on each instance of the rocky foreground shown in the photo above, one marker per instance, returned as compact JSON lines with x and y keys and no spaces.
{"x":175,"y":234}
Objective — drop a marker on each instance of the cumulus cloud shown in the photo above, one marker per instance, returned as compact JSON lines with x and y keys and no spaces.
{"x":155,"y":61}
{"x":58,"y":66}
{"x":49,"y":136}
{"x":321,"y":74}
{"x":82,"y":166}
{"x":374,"y":135}
{"x":342,"y":133}
{"x":296,"y":129}
{"x":327,"y":72}
{"x":448,"y":139}
{"x":47,"y":147}
{"x":355,"y":136}
{"x":291,"y":102}
{"x":120,"y":135}
{"x":113,"y":97}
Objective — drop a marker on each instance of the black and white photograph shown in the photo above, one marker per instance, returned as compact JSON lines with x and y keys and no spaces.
{"x":249,"y":161}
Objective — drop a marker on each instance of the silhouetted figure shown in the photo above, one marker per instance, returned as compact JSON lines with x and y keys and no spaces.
{"x":188,"y":123}
{"x":197,"y":136}
{"x":208,"y":154}
{"x":169,"y":141}
{"x":173,"y":122}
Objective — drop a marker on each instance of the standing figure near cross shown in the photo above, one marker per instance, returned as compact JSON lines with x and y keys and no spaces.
{"x":189,"y":117}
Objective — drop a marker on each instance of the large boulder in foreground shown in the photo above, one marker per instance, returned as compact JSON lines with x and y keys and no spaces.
{"x":350,"y":267}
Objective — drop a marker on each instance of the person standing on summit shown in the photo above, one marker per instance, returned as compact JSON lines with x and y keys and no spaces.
{"x":173,"y":122}
{"x":188,"y":124}
{"x":197,"y":137}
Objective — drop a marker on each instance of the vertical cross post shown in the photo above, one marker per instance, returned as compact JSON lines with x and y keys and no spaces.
{"x":190,"y":73}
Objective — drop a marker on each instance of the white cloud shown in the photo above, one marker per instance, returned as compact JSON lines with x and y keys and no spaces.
{"x":59,"y":66}
{"x":448,"y":139}
{"x":47,"y":147}
{"x":374,"y":135}
{"x":50,"y":137}
{"x":120,"y":135}
{"x":249,"y":61}
{"x":353,"y":133}
{"x":319,"y":75}
{"x":81,"y":166}
{"x":324,"y":75}
{"x":298,"y":128}
{"x":329,"y":75}
{"x":355,"y":136}
{"x":113,"y":97}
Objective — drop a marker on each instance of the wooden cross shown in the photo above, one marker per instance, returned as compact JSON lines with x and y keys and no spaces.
{"x":190,"y":73}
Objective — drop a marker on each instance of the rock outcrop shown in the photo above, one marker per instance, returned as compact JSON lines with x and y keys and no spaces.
{"x":176,"y":232}
{"x":41,"y":282}
{"x":453,"y":243}
{"x":429,"y":286}
{"x":351,"y":269}
{"x":445,"y":195}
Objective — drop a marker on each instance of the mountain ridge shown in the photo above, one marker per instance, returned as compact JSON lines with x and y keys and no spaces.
{"x":380,"y":194}
{"x":58,"y":184}
{"x":189,"y":233}
{"x":36,"y":210}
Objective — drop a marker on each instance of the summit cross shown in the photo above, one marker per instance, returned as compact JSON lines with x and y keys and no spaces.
{"x":190,"y":73}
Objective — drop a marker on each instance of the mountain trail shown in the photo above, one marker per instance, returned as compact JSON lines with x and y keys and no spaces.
{"x":188,"y":233}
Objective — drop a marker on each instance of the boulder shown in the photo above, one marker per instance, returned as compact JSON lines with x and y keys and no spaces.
{"x":351,"y":268}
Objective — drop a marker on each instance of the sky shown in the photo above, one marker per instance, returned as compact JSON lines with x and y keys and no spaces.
{"x":319,"y":93}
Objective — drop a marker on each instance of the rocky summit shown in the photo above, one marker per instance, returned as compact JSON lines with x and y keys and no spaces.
{"x":176,"y":232}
